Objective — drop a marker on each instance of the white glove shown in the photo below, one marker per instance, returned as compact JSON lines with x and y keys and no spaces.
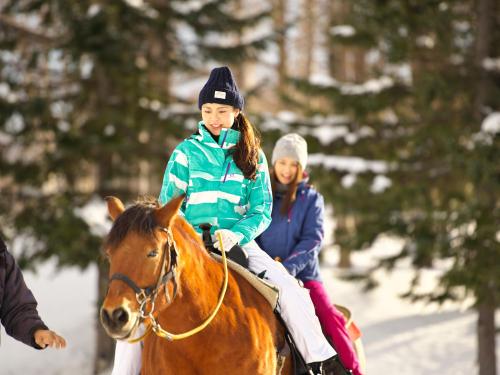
{"x":229,"y":239}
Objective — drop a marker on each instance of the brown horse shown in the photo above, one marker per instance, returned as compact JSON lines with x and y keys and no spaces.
{"x":158,"y":264}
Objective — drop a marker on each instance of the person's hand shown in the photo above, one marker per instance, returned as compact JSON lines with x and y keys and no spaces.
{"x":44,"y":338}
{"x":229,"y":239}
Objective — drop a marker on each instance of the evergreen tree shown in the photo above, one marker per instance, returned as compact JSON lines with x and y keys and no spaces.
{"x":442,"y":167}
{"x":87,"y":109}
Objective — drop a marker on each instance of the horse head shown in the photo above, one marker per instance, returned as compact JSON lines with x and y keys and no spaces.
{"x":142,"y":258}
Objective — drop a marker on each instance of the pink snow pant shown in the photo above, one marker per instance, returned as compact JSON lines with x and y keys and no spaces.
{"x":333,"y":324}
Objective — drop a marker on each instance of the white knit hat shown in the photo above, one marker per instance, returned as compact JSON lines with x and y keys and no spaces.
{"x":293,"y":146}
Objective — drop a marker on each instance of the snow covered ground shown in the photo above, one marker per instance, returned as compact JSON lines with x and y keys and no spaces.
{"x":66,"y":303}
{"x":399,"y":338}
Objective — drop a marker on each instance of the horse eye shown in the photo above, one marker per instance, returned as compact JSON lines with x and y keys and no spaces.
{"x":152,"y":254}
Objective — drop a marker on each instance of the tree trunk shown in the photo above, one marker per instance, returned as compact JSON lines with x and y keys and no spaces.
{"x":238,"y":10}
{"x":280,"y":28}
{"x":345,"y":63}
{"x":105,"y":346}
{"x":486,"y":338}
{"x":345,"y":258}
{"x":485,"y":26}
{"x":331,"y":53}
{"x":345,"y":223}
{"x":307,"y":44}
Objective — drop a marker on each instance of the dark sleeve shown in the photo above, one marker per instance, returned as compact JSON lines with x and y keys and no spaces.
{"x":18,"y":305}
{"x":311,"y":237}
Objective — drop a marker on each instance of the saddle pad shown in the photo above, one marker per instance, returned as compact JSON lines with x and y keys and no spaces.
{"x":269,"y":291}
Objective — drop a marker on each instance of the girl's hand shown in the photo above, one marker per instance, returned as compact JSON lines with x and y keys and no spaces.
{"x":229,"y":239}
{"x":44,"y":338}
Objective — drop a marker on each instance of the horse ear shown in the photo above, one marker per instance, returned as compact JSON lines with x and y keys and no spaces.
{"x":115,"y":207}
{"x":165,"y":214}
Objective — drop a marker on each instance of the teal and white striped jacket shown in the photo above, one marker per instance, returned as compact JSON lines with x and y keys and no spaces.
{"x":216,"y":190}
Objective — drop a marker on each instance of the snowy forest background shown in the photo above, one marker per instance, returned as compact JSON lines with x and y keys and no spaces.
{"x":399,"y":101}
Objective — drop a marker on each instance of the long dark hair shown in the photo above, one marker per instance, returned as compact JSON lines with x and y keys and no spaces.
{"x":246,"y":151}
{"x":291,"y":192}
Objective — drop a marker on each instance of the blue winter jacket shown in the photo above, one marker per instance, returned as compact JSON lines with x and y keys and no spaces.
{"x":297,"y":237}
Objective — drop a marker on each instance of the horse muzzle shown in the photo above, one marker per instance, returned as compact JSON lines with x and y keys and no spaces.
{"x":119,"y":322}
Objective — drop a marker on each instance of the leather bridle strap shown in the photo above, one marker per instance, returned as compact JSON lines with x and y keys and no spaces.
{"x":146,"y":293}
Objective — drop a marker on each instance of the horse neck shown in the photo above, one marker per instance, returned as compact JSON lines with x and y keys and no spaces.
{"x":200,"y":278}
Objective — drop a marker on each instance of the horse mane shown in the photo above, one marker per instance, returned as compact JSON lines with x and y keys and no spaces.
{"x":138,"y":217}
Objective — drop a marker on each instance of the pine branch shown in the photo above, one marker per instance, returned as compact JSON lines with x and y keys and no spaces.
{"x":37,"y":35}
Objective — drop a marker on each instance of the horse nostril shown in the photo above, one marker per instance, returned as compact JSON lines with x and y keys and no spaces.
{"x":116,"y":319}
{"x":120,"y":316}
{"x":105,"y":318}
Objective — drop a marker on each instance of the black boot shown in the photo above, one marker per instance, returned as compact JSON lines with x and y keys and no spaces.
{"x":333,"y":366}
{"x":315,"y":368}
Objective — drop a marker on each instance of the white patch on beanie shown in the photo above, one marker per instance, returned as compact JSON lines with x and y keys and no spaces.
{"x":220,"y":95}
{"x":292,"y":146}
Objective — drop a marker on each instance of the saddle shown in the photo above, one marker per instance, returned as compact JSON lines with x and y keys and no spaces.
{"x":269,"y":291}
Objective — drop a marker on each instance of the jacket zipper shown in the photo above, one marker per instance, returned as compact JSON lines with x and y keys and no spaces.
{"x":229,"y":164}
{"x":227,"y":170}
{"x":224,"y":139}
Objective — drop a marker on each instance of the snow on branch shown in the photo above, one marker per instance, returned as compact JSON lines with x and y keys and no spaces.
{"x":372,"y":86}
{"x":349,"y":164}
{"x":95,"y":214}
{"x":41,"y":36}
{"x":343,"y":30}
{"x":491,"y":124}
{"x":492,"y":64}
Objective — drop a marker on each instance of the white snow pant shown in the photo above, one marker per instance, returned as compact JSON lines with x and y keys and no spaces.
{"x":128,"y":356}
{"x":294,"y":304}
{"x":295,"y":307}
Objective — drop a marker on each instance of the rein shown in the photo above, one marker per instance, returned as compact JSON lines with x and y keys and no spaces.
{"x":143,"y":295}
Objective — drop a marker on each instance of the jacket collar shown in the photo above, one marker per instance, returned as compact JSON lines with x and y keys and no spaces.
{"x":301,"y":186}
{"x":227,"y":138}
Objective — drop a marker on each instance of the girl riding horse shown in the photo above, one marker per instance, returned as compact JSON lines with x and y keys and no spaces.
{"x":223,"y":173}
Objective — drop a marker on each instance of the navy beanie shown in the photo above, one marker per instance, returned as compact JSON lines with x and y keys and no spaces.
{"x":221,"y":88}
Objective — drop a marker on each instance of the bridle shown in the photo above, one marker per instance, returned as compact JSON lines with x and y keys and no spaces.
{"x":149,"y":294}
